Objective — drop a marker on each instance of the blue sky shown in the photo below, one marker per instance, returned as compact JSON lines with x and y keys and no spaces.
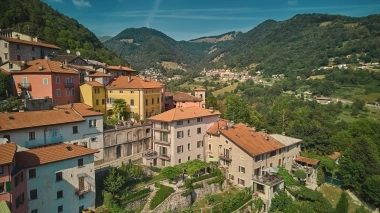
{"x":189,"y":19}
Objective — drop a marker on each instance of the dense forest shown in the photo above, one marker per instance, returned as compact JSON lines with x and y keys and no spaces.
{"x":302,"y":43}
{"x":37,"y":18}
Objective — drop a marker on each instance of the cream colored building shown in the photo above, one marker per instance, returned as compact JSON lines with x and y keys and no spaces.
{"x":178,"y":135}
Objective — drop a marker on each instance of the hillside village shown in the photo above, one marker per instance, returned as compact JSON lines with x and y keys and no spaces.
{"x":54,"y":146}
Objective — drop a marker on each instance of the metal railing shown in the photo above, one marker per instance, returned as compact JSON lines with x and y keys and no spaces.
{"x":69,"y":85}
{"x":83,"y":190}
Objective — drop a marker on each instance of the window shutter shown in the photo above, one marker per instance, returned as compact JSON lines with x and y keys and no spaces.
{"x":8,"y":186}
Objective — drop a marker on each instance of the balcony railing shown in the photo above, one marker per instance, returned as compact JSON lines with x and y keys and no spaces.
{"x":150,"y":154}
{"x":26,"y":86}
{"x":306,"y":169}
{"x":69,"y":85}
{"x":225,"y":158}
{"x":164,"y":156}
{"x":42,"y":142}
{"x":83,"y":190}
{"x":267,"y":179}
{"x":165,"y":142}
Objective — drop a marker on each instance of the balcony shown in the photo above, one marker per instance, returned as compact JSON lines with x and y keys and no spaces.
{"x":268,"y":180}
{"x":26,"y":86}
{"x":225,"y":158}
{"x":162,"y":128}
{"x":69,"y":85}
{"x":159,"y":141}
{"x":164,"y":156}
{"x":308,"y":170}
{"x":42,"y":142}
{"x":150,"y":154}
{"x":83,"y":190}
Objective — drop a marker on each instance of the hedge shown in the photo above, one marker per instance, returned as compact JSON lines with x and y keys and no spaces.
{"x":187,"y":192}
{"x":162,"y":193}
{"x":155,"y":169}
{"x":136,"y":198}
{"x":136,"y":194}
{"x":198,"y":185}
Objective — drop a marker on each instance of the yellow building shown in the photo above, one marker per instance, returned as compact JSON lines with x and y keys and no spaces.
{"x":93,"y":94}
{"x":143,"y":96}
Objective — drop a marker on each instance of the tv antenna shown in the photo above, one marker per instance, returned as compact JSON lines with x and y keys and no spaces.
{"x":77,"y":53}
{"x":68,"y":52}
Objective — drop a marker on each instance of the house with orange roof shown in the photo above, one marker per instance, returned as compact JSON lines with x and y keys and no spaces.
{"x":74,"y":124}
{"x":12,"y":179}
{"x":94,"y":94}
{"x":20,"y":47}
{"x":248,"y":157}
{"x":116,"y":71}
{"x":60,"y":178}
{"x":143,"y":96}
{"x":178,"y":135}
{"x":45,"y":78}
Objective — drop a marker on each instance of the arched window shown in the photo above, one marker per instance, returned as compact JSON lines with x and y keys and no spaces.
{"x":118,"y":151}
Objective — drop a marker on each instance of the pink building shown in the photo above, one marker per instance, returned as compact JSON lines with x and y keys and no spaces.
{"x":182,"y":99}
{"x":12,"y":180}
{"x":45,"y":78}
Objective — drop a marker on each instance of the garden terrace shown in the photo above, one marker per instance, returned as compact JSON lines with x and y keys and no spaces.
{"x":269,"y":180}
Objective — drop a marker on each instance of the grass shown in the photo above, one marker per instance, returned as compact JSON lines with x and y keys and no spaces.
{"x":372,"y":112}
{"x":317,"y":77}
{"x":229,"y":88}
{"x":191,"y":86}
{"x":323,"y":24}
{"x":148,"y":181}
{"x":333,"y":193}
{"x":352,"y":93}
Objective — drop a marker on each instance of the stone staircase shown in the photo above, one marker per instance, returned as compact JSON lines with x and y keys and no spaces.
{"x":146,"y":207}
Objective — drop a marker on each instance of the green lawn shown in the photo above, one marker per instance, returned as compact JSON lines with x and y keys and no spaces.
{"x":191,"y":86}
{"x":333,"y":193}
{"x":229,"y":88}
{"x":217,"y":198}
{"x":373,"y":113}
{"x":352,"y":93}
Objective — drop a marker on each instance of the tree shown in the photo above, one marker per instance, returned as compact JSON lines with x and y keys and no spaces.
{"x":212,"y":102}
{"x":342,"y":205}
{"x":5,"y":84}
{"x":371,"y":189}
{"x":119,"y":106}
{"x":280,"y":202}
{"x":300,"y":174}
{"x":237,"y":110}
{"x":111,"y":204}
{"x":359,"y":104}
{"x":361,"y":209}
{"x":114,"y":182}
{"x":171,"y":172}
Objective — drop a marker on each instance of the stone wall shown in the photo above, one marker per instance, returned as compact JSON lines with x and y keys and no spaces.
{"x":38,"y":104}
{"x":206,"y":190}
{"x":136,"y":204}
{"x":174,"y":203}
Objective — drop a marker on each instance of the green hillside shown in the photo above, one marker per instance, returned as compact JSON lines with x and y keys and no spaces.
{"x":37,"y":18}
{"x":302,"y":43}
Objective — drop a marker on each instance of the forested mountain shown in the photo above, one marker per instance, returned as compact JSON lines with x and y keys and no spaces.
{"x":297,"y":45}
{"x":214,"y":39}
{"x":146,"y":48}
{"x":37,"y":18}
{"x":104,"y":38}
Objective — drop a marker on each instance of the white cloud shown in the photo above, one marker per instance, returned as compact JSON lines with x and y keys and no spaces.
{"x":152,"y":13}
{"x":81,"y":3}
{"x":58,"y":1}
{"x":292,"y":2}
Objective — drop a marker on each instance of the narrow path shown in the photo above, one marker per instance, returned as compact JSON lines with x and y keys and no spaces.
{"x":146,"y":207}
{"x":358,"y":202}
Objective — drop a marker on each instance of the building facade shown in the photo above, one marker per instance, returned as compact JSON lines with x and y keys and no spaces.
{"x":60,"y":178}
{"x":182,"y":99}
{"x":178,"y":135}
{"x":93,"y":94}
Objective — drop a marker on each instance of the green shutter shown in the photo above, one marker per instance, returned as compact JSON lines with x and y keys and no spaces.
{"x":8,"y":186}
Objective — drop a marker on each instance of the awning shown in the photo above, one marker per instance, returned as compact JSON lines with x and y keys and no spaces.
{"x":213,"y":160}
{"x":4,"y":207}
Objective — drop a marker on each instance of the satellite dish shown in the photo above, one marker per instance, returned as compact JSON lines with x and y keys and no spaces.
{"x":78,"y":53}
{"x":68,"y":51}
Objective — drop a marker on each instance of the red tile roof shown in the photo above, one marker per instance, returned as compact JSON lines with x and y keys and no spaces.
{"x":80,"y":67}
{"x":199,"y":89}
{"x":183,"y":113}
{"x":182,"y":96}
{"x":219,"y":124}
{"x":121,"y":68}
{"x":121,"y":82}
{"x":99,"y":74}
{"x":334,"y":155}
{"x":7,"y":152}
{"x":51,"y":154}
{"x":48,"y":66}
{"x":83,"y":109}
{"x":74,"y":105}
{"x":94,"y":84}
{"x":309,"y":161}
{"x":168,"y":94}
{"x":15,"y":40}
{"x":30,"y":119}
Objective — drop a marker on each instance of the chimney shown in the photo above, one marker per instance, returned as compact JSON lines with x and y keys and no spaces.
{"x":47,"y":58}
{"x":254,"y":129}
{"x":211,"y":109}
{"x":230,"y":124}
{"x":283,"y":133}
{"x":41,"y":68}
{"x":120,"y":67}
{"x":129,"y":78}
{"x":71,"y":106}
{"x":60,"y":65}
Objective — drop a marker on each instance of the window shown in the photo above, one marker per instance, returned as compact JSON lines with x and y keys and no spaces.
{"x":33,"y":194}
{"x":18,"y":57}
{"x":94,"y":122}
{"x":1,"y":170}
{"x":146,"y":101}
{"x":33,"y":58}
{"x":258,"y":158}
{"x":58,"y":176}
{"x":72,"y":91}
{"x":188,"y":132}
{"x":45,"y":81}
{"x":179,"y":123}
{"x":188,"y":146}
{"x":199,"y":156}
{"x":59,"y":194}
{"x":81,"y":197}
{"x":19,"y":200}
{"x":180,"y":149}
{"x":226,"y":141}
{"x":152,"y":100}
{"x":132,"y":102}
{"x":81,"y":208}
{"x":97,"y":102}
{"x":188,"y":121}
{"x":199,"y":144}
{"x":5,"y":55}
{"x":75,"y":129}
{"x":179,"y":161}
{"x":188,"y":158}
{"x":121,"y":91}
{"x":67,"y":92}
{"x":231,"y":177}
{"x":32,"y":48}
{"x":179,"y":134}
{"x":90,"y":123}
{"x":2,"y":187}
{"x":158,"y":100}
{"x":209,"y":146}
{"x":5,"y":45}
{"x":10,"y":66}
{"x":110,"y":91}
{"x":199,"y":130}
{"x":58,"y":93}
{"x":199,"y":119}
{"x":32,"y":135}
{"x":34,"y":211}
{"x":241,"y":182}
{"x":242,"y":169}
{"x":103,"y":101}
{"x":80,"y":162}
{"x":132,"y":92}
{"x":19,"y":179}
{"x":57,"y":80}
{"x":18,"y":46}
{"x":163,"y":151}
{"x":72,"y":79}
{"x":32,"y":173}
{"x":260,"y":188}
{"x":60,"y":208}
{"x":272,"y":153}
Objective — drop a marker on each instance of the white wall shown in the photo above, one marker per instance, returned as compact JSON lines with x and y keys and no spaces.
{"x":47,"y":186}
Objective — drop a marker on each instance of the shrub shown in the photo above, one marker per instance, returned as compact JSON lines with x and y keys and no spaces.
{"x":187,"y":192}
{"x":198,"y":185}
{"x":162,"y":193}
{"x":300,"y":174}
{"x":135,"y":196}
{"x":155,"y":169}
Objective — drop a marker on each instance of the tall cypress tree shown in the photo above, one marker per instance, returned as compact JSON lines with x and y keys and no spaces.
{"x":342,"y":205}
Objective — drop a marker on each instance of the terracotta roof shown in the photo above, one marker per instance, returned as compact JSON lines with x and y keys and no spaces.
{"x":78,"y":67}
{"x":121,"y":82}
{"x":199,"y":89}
{"x":309,"y":161}
{"x":168,"y":94}
{"x":29,"y":119}
{"x":75,"y":106}
{"x":182,"y":96}
{"x":66,"y":58}
{"x":334,"y":155}
{"x":3,"y":71}
{"x":287,"y":141}
{"x":15,"y":40}
{"x":253,"y":143}
{"x":7,"y":152}
{"x":48,"y":66}
{"x":183,"y":113}
{"x":51,"y":154}
{"x":214,"y":128}
{"x":94,"y":84}
{"x":121,"y":68}
{"x":88,"y":113}
{"x":99,"y":74}
{"x":83,"y":109}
